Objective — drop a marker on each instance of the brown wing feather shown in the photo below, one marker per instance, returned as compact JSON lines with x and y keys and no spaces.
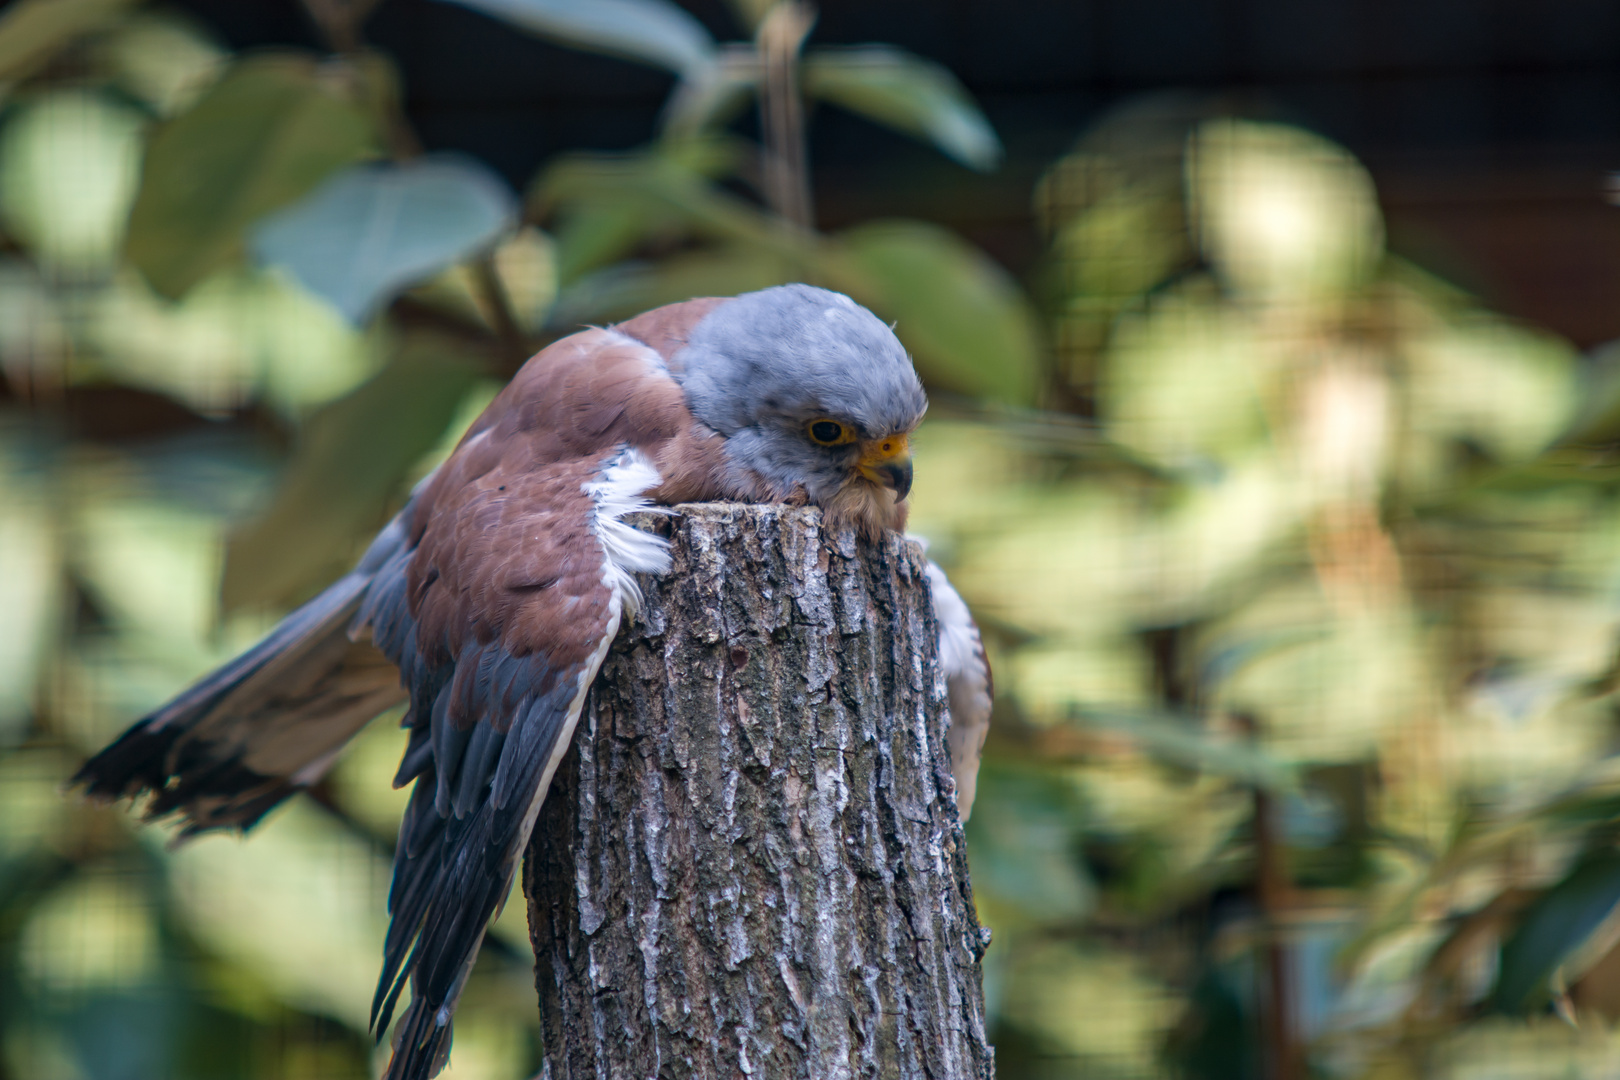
{"x":665,"y":329}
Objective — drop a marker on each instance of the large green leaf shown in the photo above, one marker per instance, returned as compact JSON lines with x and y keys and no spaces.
{"x":163,"y":60}
{"x":625,"y":290}
{"x":1187,"y":378}
{"x":968,"y":324}
{"x":1183,"y":741}
{"x":372,"y":230}
{"x":262,"y":138}
{"x":351,"y":459}
{"x":1025,"y":844}
{"x":32,"y":31}
{"x":1556,"y":927}
{"x":608,"y":203}
{"x":1282,"y":213}
{"x":905,"y":92}
{"x":68,"y":165}
{"x":650,"y":31}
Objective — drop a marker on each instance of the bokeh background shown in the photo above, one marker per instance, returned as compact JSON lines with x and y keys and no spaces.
{"x":1273,"y":442}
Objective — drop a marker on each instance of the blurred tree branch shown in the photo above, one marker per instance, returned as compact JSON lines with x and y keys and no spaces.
{"x":780,"y":39}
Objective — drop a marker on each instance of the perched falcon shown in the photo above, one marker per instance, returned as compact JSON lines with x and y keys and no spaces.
{"x":489,"y":602}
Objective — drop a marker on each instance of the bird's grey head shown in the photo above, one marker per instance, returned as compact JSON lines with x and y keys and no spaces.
{"x":809,"y":389}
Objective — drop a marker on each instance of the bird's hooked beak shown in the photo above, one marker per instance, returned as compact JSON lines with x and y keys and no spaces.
{"x":887,"y":461}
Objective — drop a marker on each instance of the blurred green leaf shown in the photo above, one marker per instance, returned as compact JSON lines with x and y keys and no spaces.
{"x":194,"y":351}
{"x":236,"y":336}
{"x":110,"y":915}
{"x":33,"y":329}
{"x":163,"y":60}
{"x":1187,"y":378}
{"x":1120,"y":245}
{"x":526,"y":263}
{"x":592,"y":235}
{"x":625,"y":290}
{"x":1183,"y":741}
{"x":903,"y":91}
{"x":69,"y":160}
{"x":968,"y":325}
{"x":308,"y":354}
{"x":650,"y":31}
{"x":1099,"y":1007}
{"x":35,"y":815}
{"x":1283,"y":213}
{"x":1556,"y":926}
{"x":711,"y":96}
{"x":1058,"y":675}
{"x":608,"y":203}
{"x":1025,"y":843}
{"x":349,"y":462}
{"x":30,"y":595}
{"x":370,"y":231}
{"x":151,"y":564}
{"x":1503,"y":388}
{"x":1598,"y":417}
{"x":261,"y":138}
{"x":32,"y":31}
{"x":1329,"y":697}
{"x":1017,"y":562}
{"x":302,"y":907}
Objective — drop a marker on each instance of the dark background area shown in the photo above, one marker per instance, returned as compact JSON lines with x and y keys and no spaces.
{"x":1490,"y":127}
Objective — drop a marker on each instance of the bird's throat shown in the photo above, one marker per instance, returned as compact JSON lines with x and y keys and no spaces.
{"x":871,"y":508}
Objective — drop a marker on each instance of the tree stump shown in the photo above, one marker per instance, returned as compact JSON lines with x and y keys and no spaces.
{"x":750,"y":862}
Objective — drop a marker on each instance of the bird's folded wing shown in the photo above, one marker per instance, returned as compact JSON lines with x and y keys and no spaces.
{"x":498,"y":613}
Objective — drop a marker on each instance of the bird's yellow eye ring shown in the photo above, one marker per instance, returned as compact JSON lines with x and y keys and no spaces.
{"x":829,"y":433}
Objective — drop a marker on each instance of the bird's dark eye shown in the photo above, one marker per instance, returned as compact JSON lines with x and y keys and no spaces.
{"x":829,"y":432}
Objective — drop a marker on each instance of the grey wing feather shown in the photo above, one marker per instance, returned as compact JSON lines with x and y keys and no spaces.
{"x":480,"y":750}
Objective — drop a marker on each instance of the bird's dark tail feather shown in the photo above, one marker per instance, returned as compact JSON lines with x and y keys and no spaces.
{"x":421,"y":1042}
{"x":246,"y":736}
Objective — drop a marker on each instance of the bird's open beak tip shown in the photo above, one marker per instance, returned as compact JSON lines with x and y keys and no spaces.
{"x":897,"y":475}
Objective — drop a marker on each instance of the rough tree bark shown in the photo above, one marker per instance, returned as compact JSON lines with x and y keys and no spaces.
{"x":750,"y":862}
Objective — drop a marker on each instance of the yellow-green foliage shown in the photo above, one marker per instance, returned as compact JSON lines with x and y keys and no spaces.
{"x":1252,"y":512}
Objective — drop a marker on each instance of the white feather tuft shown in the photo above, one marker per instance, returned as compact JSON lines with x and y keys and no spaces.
{"x":958,"y":637}
{"x":628,"y":551}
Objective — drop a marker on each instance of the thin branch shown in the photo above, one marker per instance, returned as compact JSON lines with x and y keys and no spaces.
{"x":1273,"y":894}
{"x":339,"y":21}
{"x":787,"y":179}
{"x":514,"y":343}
